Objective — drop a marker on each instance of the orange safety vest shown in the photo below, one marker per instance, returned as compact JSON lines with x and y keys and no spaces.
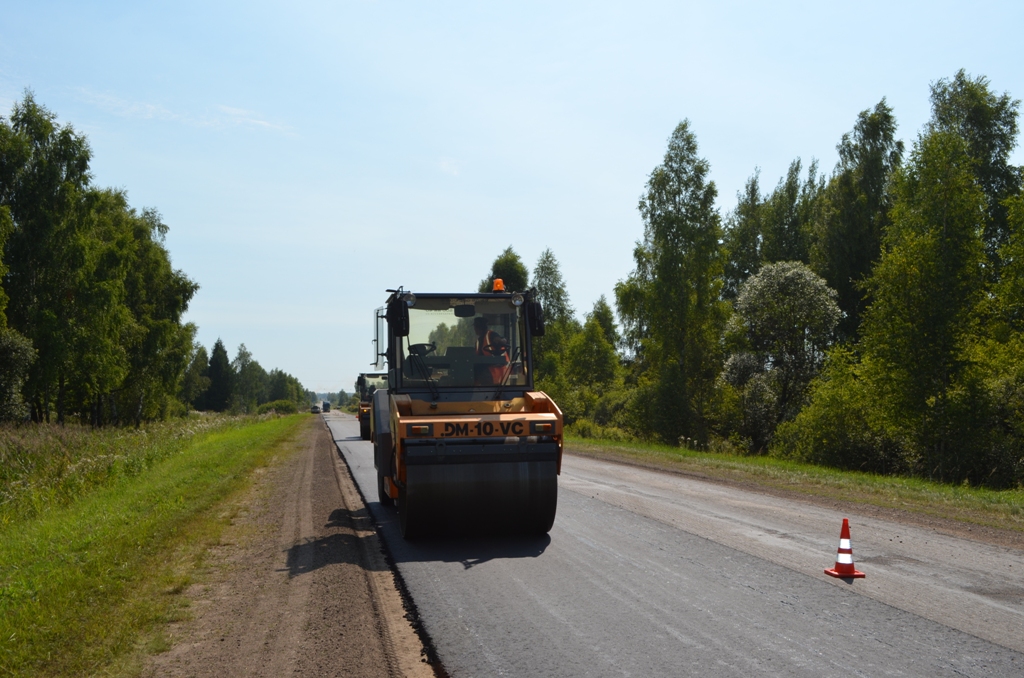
{"x":487,"y":345}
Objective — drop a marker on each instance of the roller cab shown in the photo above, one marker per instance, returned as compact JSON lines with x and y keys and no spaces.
{"x":462,"y":440}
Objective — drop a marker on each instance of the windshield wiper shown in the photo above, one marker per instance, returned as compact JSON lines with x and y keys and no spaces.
{"x":508,"y":372}
{"x":417,"y":360}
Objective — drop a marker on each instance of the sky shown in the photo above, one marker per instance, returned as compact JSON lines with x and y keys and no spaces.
{"x":306,"y":156}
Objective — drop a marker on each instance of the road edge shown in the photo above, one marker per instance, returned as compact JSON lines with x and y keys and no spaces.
{"x":984,"y":534}
{"x":403,"y":635}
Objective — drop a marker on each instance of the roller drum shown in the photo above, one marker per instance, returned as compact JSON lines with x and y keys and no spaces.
{"x":480,"y":496}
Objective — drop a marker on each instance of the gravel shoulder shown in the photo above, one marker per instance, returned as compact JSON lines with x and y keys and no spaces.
{"x":298,"y":584}
{"x":986,"y":534}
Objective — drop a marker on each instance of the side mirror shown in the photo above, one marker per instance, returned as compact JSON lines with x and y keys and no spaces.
{"x":535,"y":318}
{"x":398,"y":318}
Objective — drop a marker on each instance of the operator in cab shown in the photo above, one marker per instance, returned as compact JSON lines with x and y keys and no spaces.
{"x":490,"y":343}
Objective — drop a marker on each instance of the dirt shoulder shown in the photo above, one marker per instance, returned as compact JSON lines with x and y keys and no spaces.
{"x":298,"y":584}
{"x":960,"y":528}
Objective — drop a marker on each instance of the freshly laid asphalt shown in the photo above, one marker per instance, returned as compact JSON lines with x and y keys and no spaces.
{"x":654,"y":574}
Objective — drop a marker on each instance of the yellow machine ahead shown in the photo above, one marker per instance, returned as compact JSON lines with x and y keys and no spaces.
{"x":366,"y":384}
{"x":461,"y":438}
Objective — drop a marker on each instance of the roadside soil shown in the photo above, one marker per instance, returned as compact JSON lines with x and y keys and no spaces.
{"x":298,"y":584}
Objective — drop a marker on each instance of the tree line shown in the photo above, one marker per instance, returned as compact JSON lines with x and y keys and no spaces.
{"x":870,"y":319}
{"x":90,"y":307}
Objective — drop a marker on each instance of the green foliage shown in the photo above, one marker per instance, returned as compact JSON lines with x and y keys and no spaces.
{"x":16,"y":352}
{"x":840,"y":426}
{"x":742,"y":238}
{"x":551,"y":292}
{"x":242,"y":385}
{"x":969,"y":110}
{"x":584,"y":428}
{"x":157,"y":297}
{"x":926,"y":289}
{"x":1007,"y":308}
{"x":603,"y":316}
{"x":278,"y":406}
{"x":90,"y":307}
{"x":16,"y":356}
{"x":283,"y":386}
{"x":766,"y":229}
{"x":785,"y":316}
{"x":931,"y":394}
{"x":249,"y":383}
{"x":196,"y":380}
{"x":589,"y":359}
{"x":511,"y":269}
{"x":787,"y":215}
{"x":922,"y":265}
{"x":44,"y":171}
{"x":935,"y":386}
{"x":6,"y":228}
{"x":582,"y":373}
{"x":670,"y":305}
{"x":853,"y":211}
{"x":222,"y":377}
{"x":558,"y":314}
{"x":90,"y":283}
{"x":459,"y":334}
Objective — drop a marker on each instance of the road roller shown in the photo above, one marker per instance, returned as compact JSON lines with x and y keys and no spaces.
{"x":367,"y":384}
{"x":461,"y":438}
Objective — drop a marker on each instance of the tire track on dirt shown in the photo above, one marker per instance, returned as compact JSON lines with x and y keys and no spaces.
{"x":297,"y":585}
{"x":403,"y":648}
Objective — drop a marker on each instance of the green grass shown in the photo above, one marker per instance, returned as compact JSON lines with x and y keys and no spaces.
{"x":44,"y":466}
{"x":83,"y":582}
{"x":1000,"y":509}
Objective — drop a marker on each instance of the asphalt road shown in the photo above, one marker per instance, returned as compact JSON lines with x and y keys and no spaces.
{"x":655,"y":574}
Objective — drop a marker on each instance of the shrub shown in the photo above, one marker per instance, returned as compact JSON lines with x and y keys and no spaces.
{"x":839,"y":428}
{"x":279,"y":406}
{"x":584,"y":428}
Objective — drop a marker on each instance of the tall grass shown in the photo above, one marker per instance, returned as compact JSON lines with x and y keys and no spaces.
{"x":43,"y":466}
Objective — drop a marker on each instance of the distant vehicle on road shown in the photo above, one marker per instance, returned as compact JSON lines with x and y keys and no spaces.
{"x":315,"y":409}
{"x":327,"y":406}
{"x":366,"y":385}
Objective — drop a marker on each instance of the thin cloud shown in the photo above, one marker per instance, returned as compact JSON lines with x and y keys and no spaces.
{"x":126,"y":108}
{"x":448,"y":166}
{"x":221,"y":117}
{"x":239,"y":116}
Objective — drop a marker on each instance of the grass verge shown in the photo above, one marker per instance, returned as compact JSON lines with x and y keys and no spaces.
{"x":81,"y":584}
{"x":1002,"y":510}
{"x":43,"y":466}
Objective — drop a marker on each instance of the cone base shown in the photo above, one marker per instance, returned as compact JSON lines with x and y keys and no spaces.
{"x":856,"y":574}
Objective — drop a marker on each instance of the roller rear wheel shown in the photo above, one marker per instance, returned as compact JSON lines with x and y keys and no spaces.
{"x":382,"y":491}
{"x":409,"y":520}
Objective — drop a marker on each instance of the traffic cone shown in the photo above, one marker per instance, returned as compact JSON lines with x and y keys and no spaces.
{"x":844,"y":568}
